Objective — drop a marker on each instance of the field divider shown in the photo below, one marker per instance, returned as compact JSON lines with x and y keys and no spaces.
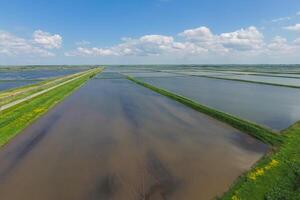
{"x":275,"y":176}
{"x":261,"y":133}
{"x":11,"y":104}
{"x":18,"y":117}
{"x":43,"y":83}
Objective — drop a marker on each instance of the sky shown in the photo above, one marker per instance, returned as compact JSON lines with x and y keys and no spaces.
{"x":149,"y":32}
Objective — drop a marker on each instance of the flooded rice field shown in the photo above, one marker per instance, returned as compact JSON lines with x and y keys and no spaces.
{"x":113,"y":139}
{"x":266,"y":79}
{"x":34,"y":74}
{"x":277,"y":78}
{"x":272,"y":106}
{"x":287,"y":75}
{"x":5,"y":85}
{"x":109,"y":75}
{"x":151,"y":74}
{"x":12,"y":79}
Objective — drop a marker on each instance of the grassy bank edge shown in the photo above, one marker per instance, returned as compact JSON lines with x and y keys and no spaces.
{"x":12,"y":121}
{"x":13,"y":94}
{"x":274,"y":177}
{"x":261,"y":133}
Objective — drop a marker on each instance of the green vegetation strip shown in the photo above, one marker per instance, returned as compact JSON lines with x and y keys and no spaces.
{"x":16,"y":118}
{"x":264,"y":134}
{"x":15,"y":94}
{"x":276,"y":176}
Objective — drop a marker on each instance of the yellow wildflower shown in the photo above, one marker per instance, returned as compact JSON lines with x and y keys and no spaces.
{"x":256,"y":173}
{"x":272,"y":164}
{"x":260,"y":171}
{"x":234,"y":197}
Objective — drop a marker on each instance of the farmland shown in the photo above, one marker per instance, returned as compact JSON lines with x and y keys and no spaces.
{"x":21,"y":106}
{"x":150,"y":132}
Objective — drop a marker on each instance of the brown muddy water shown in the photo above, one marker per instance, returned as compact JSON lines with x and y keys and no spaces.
{"x":113,"y":139}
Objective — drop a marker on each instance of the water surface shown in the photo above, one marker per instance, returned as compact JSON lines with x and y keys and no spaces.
{"x":115,"y":140}
{"x":35,"y":74}
{"x":5,"y":85}
{"x":151,"y":74}
{"x":276,"y":107}
{"x":266,"y":79}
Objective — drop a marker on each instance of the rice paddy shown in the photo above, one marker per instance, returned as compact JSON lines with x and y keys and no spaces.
{"x":150,"y":132}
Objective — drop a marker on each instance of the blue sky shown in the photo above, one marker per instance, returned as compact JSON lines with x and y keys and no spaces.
{"x":149,"y":31}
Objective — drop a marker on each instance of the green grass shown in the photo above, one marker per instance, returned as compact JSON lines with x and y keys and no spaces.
{"x":264,"y":134}
{"x":14,"y":94}
{"x":15,"y":119}
{"x":276,"y":176}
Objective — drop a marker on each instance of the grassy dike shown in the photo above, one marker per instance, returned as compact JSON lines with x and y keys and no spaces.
{"x":276,"y":176}
{"x":16,"y":118}
{"x":13,"y":94}
{"x":255,"y":130}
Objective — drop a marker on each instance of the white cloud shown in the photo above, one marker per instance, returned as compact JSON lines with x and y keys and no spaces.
{"x":280,"y":44}
{"x":196,"y":41}
{"x":11,"y":45}
{"x":81,"y":51}
{"x":287,"y":18}
{"x":201,"y":42}
{"x":243,"y":39}
{"x":157,"y":39}
{"x":47,"y":40}
{"x":148,"y":45}
{"x":198,"y":34}
{"x":295,"y":27}
{"x":297,"y":41}
{"x":280,"y":19}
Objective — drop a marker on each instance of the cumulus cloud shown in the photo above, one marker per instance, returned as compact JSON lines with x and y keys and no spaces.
{"x":47,"y":40}
{"x":195,"y":42}
{"x":81,"y":51}
{"x":280,"y":44}
{"x":295,"y":27}
{"x":11,"y":45}
{"x":297,"y":41}
{"x":148,"y":45}
{"x":198,"y":34}
{"x":243,"y":39}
